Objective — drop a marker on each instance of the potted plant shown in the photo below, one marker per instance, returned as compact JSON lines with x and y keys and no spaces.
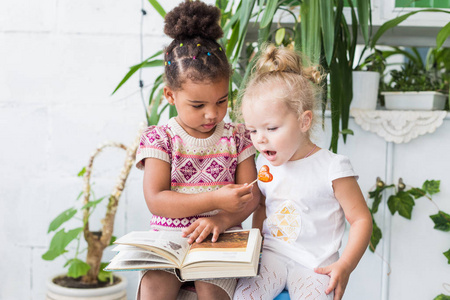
{"x":417,"y":85}
{"x":366,"y":80}
{"x":85,"y":278}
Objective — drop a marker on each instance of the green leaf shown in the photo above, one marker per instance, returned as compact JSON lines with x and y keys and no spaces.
{"x":347,"y":131}
{"x":61,"y":218}
{"x":401,"y":202}
{"x":376,"y":202}
{"x":103,"y":275}
{"x":154,"y":116}
{"x":375,"y":237}
{"x":59,"y":243}
{"x":417,"y":193}
{"x":442,"y":35}
{"x":327,"y":26}
{"x":233,"y":39}
{"x":158,"y":7}
{"x":81,"y":173}
{"x":363,"y":7}
{"x":77,"y":268}
{"x":431,"y":186}
{"x":311,"y":38}
{"x":441,"y":221}
{"x":394,"y":22}
{"x":237,"y":78}
{"x":153,"y":63}
{"x":269,"y":11}
{"x":93,"y":203}
{"x":279,"y":36}
{"x":112,"y":240}
{"x":378,"y":196}
{"x":246,"y":12}
{"x":442,"y":297}
{"x":134,"y":68}
{"x":447,"y":254}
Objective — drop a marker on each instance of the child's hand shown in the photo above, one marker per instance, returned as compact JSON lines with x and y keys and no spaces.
{"x":233,"y":198}
{"x":202,"y":227}
{"x":339,"y":273}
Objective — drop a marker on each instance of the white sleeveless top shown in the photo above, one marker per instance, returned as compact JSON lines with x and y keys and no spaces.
{"x":305,"y":221}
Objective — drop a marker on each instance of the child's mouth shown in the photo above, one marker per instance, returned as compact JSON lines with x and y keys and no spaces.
{"x":270,"y":155}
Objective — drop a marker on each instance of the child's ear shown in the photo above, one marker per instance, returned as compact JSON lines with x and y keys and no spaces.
{"x":306,"y":121}
{"x":168,"y":93}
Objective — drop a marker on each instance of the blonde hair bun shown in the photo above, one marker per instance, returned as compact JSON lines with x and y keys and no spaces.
{"x":280,"y":59}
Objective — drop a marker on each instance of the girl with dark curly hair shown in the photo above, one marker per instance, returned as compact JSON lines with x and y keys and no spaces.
{"x":196,"y":167}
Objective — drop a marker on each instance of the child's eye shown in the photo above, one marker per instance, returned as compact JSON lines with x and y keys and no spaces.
{"x":272,"y":128}
{"x":198,"y":106}
{"x":252,"y":131}
{"x":222,"y":101}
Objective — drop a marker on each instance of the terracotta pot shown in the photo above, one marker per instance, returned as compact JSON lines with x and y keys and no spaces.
{"x":115,"y":292}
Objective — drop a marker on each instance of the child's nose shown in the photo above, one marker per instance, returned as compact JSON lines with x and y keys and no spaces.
{"x":261,"y":138}
{"x":211,"y":113}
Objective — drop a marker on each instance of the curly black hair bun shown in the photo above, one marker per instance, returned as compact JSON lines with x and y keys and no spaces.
{"x":193,"y":19}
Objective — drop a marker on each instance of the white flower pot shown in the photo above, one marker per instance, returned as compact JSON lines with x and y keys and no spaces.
{"x":365,"y":89}
{"x":414,"y":100}
{"x":115,"y":292}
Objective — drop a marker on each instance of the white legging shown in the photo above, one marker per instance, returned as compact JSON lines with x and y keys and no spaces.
{"x":278,"y":273}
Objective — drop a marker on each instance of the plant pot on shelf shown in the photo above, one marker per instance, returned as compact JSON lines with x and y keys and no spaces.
{"x":414,"y":100}
{"x":117,"y":291}
{"x":365,"y":89}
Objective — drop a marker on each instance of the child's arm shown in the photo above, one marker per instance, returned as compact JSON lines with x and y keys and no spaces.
{"x":260,"y":214}
{"x":349,"y":195}
{"x":200,"y":229}
{"x":163,"y":202}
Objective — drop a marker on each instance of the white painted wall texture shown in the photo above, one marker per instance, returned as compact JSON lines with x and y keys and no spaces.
{"x":59,"y":63}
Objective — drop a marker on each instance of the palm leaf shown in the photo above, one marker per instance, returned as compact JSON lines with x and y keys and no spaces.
{"x":158,"y":7}
{"x":327,"y":25}
{"x":442,"y":35}
{"x":269,"y":12}
{"x":394,"y":22}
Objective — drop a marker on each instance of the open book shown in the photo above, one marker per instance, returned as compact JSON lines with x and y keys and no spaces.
{"x":235,"y":254}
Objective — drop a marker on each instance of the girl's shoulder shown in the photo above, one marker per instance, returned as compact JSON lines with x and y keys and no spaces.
{"x":158,"y":131}
{"x":339,"y":165}
{"x":330,"y":156}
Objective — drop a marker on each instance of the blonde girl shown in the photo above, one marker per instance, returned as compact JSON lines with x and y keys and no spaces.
{"x":195,"y":166}
{"x":303,"y":210}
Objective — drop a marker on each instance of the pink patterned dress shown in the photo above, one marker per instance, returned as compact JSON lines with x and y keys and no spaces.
{"x":197,"y":165}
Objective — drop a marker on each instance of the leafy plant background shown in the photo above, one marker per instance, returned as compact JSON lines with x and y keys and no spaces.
{"x":402,"y":201}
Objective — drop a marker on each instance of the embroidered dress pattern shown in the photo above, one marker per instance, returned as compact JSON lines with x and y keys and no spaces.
{"x":197,"y":165}
{"x":285,"y":223}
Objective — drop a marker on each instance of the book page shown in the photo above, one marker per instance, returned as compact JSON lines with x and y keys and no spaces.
{"x":137,"y":265}
{"x":139,"y":255}
{"x":231,"y":246}
{"x":164,"y":243}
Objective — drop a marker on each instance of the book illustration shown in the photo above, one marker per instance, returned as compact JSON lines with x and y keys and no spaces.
{"x":174,"y":246}
{"x":157,"y":241}
{"x":171,"y":247}
{"x":232,"y":241}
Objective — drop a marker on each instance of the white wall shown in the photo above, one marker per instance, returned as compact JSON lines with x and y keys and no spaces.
{"x":59,"y":63}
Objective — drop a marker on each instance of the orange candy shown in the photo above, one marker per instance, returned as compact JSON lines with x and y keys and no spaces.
{"x":264,"y":174}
